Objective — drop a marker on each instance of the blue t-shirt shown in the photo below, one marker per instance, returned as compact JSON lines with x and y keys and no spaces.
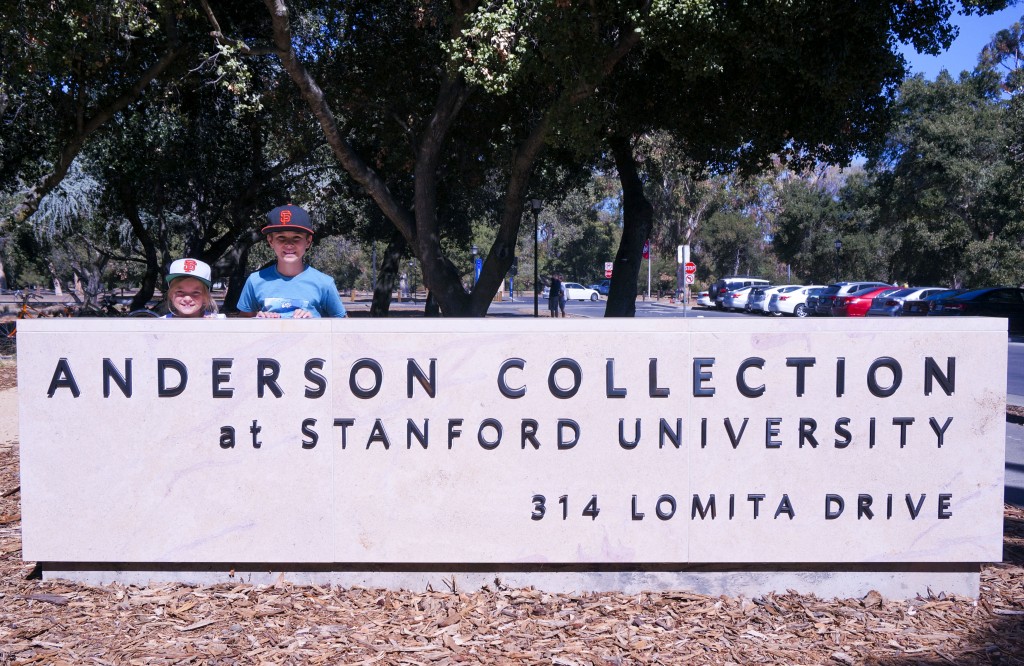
{"x":269,"y":291}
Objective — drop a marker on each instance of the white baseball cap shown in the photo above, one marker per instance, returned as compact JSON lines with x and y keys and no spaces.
{"x":193,"y":268}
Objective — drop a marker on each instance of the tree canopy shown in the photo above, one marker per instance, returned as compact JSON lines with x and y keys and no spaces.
{"x":440,"y":120}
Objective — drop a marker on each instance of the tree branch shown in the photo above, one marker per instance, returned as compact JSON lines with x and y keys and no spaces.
{"x":219,"y":36}
{"x":503,"y":249}
{"x":30,"y":200}
{"x":346,"y":155}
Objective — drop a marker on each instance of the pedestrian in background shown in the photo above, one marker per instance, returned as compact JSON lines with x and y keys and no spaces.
{"x":555,"y":296}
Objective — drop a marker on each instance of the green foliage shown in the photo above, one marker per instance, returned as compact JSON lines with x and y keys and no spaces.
{"x":344,"y":261}
{"x":710,"y":86}
{"x":1004,"y":56}
{"x":732,"y":244}
{"x":580,"y":238}
{"x":942,"y":181}
{"x":806,"y":230}
{"x":489,"y":50}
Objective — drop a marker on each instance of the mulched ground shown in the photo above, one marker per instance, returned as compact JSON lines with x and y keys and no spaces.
{"x":65,"y":623}
{"x":8,"y":375}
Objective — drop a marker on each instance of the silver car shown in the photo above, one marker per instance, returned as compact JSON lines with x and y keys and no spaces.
{"x":736,"y":299}
{"x":756,"y":300}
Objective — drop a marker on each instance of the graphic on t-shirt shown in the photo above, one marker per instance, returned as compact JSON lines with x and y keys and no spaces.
{"x":287,"y":306}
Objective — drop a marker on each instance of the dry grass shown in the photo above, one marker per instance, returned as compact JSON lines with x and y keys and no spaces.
{"x":58,"y":622}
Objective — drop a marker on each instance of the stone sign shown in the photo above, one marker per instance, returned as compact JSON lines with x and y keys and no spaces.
{"x":512,"y":441}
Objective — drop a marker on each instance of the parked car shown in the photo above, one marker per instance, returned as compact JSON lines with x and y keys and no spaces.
{"x":919,"y":308}
{"x":812,"y":303}
{"x":574,"y":291}
{"x":891,"y":304}
{"x":736,"y":299}
{"x":856,"y":304}
{"x":1006,"y":302}
{"x":826,"y":299}
{"x":764,"y":305}
{"x":602,"y":287}
{"x":729,"y":283}
{"x":755,"y":300}
{"x":796,"y":301}
{"x":704,"y":300}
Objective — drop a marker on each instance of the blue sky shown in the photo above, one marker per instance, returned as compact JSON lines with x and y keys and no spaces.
{"x":975,"y":32}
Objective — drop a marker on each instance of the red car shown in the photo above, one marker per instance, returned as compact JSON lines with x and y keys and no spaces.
{"x":857,"y":303}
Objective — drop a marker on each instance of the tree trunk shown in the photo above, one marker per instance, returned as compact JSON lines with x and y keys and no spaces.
{"x":236,"y":262}
{"x":56,"y":280}
{"x":389,"y":270}
{"x":637,"y":220}
{"x":420,"y":228}
{"x":431,"y":308}
{"x":148,"y":288}
{"x":149,"y":280}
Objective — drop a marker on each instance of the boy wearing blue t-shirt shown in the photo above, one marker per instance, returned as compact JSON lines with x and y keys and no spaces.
{"x":289,"y":288}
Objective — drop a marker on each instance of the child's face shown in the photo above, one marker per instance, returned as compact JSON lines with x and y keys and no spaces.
{"x":187,"y":297}
{"x":289,"y":246}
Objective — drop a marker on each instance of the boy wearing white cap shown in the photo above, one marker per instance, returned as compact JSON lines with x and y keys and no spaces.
{"x":188,"y":290}
{"x":289,"y":288}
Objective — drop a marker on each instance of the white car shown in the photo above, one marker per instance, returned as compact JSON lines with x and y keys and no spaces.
{"x":704,"y":300}
{"x":764,"y":305}
{"x":793,"y":302}
{"x":736,"y":299}
{"x":574,"y":291}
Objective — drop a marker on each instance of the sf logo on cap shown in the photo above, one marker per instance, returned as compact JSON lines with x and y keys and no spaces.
{"x":190,"y":265}
{"x":286,"y":216}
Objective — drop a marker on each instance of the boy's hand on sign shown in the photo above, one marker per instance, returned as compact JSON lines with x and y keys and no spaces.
{"x":268,"y":315}
{"x":299,"y":313}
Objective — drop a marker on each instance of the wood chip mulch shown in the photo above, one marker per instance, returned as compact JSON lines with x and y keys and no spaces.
{"x":8,"y":375}
{"x":58,"y":622}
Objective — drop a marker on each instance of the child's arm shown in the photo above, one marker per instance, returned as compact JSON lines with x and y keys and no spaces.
{"x":247,"y":305}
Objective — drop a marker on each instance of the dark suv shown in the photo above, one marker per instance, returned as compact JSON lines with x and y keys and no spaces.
{"x":723,"y":286}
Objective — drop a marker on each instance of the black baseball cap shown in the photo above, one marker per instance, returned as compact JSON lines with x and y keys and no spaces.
{"x":288,"y":218}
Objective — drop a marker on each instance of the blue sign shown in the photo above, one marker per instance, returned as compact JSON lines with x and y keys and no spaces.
{"x":479,"y":264}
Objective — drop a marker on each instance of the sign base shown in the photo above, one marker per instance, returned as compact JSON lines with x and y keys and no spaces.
{"x":905,"y":581}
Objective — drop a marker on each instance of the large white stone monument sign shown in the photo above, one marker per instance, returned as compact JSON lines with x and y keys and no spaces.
{"x":512,"y":441}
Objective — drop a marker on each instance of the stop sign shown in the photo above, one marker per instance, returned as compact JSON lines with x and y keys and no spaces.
{"x":690,"y":268}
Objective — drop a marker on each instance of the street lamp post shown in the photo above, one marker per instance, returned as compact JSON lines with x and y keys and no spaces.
{"x":535,"y":206}
{"x":839,"y":248}
{"x":473,"y":250}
